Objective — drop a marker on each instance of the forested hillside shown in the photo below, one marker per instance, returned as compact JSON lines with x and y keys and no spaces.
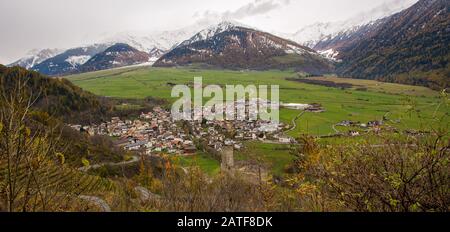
{"x":56,"y":96}
{"x":410,"y":47}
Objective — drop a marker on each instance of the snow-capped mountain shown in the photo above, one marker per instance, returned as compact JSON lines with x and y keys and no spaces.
{"x":313,"y":34}
{"x":408,"y":47}
{"x":144,"y":43}
{"x":69,"y":60}
{"x":332,"y":46}
{"x":155,"y":54}
{"x":35,"y":57}
{"x":156,"y":43}
{"x":227,"y":45}
{"x":212,"y":31}
{"x":118,"y":55}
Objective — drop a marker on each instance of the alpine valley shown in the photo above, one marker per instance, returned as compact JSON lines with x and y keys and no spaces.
{"x":135,"y":121}
{"x":403,"y":43}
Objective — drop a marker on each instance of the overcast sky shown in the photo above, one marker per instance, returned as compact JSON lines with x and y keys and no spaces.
{"x":29,"y":24}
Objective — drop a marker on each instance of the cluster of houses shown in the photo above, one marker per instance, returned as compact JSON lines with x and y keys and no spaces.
{"x":374,"y":126}
{"x":218,"y":133}
{"x":155,"y":132}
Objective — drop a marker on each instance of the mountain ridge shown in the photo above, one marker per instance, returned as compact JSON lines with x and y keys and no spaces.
{"x":313,"y":34}
{"x":68,"y":61}
{"x":236,"y":47}
{"x":35,"y":57}
{"x":409,"y":47}
{"x":415,"y":55}
{"x":118,"y":55}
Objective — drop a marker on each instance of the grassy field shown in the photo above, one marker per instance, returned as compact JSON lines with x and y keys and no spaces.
{"x":381,"y":87}
{"x":411,"y":106}
{"x":208,"y":164}
{"x":275,"y":156}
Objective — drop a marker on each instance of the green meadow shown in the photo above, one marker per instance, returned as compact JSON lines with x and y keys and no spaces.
{"x":205,"y":162}
{"x":411,"y":107}
{"x":407,"y":107}
{"x":276,"y":157}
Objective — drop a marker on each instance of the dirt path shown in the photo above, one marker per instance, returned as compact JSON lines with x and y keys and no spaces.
{"x":294,"y":121}
{"x":336,"y":130}
{"x":134,"y":159}
{"x":275,"y":142}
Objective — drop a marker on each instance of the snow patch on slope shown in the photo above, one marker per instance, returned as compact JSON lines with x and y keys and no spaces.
{"x":330,"y":54}
{"x":77,"y":60}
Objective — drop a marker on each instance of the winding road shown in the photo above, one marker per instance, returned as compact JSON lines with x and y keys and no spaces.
{"x":134,"y":159}
{"x":294,"y":121}
{"x":336,"y":130}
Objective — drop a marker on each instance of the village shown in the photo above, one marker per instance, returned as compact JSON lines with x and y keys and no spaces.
{"x":156,"y":132}
{"x":357,"y":128}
